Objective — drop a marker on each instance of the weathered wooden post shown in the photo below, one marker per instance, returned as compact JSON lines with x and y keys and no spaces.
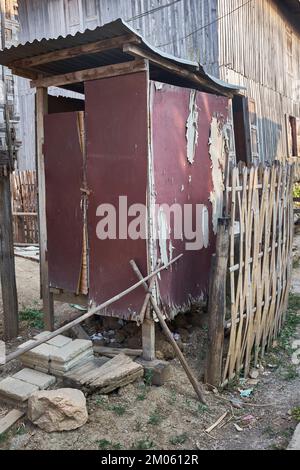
{"x":7,"y":261}
{"x":217,"y":305}
{"x":47,"y":296}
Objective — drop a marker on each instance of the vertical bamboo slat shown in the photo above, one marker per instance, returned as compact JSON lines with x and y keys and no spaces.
{"x":260,"y":210}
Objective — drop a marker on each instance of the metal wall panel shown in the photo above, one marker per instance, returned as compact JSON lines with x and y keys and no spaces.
{"x":117,"y":148}
{"x":178,"y":181}
{"x":63,"y":169}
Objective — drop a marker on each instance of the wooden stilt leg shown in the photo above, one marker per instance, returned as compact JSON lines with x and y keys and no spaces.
{"x":148,"y":339}
{"x":41,"y":110}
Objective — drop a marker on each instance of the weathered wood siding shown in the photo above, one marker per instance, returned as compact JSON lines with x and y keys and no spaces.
{"x":253,"y":54}
{"x":239,"y":41}
{"x":161,"y":25}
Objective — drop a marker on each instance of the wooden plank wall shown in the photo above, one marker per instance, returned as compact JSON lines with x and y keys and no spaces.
{"x":253,"y":54}
{"x":24,"y":206}
{"x":164,"y":27}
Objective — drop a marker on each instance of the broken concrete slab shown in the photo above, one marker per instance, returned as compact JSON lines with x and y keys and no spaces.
{"x":295,"y":442}
{"x":34,"y":377}
{"x":79,"y":375}
{"x":158,"y":371}
{"x":119,"y":371}
{"x":16,"y":390}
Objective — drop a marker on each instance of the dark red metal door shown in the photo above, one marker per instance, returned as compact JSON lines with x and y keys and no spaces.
{"x":117,"y":147}
{"x":63,"y":169}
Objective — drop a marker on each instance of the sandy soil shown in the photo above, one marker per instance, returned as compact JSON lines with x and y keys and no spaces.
{"x":170,"y":417}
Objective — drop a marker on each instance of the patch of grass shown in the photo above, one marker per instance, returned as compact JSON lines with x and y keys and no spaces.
{"x":155,"y":418}
{"x":173,"y":397}
{"x":104,"y":444}
{"x":143,"y":444}
{"x":201,"y":408}
{"x":180,"y":439}
{"x":3,"y":437}
{"x":270,"y":432}
{"x":148,"y":377}
{"x":33,"y":317}
{"x":21,"y":430}
{"x":100,"y":401}
{"x":296,"y":413}
{"x":138,"y":425}
{"x":290,"y":373}
{"x":142,"y":395}
{"x":119,"y":410}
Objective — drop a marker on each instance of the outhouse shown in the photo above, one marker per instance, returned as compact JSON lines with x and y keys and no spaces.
{"x":132,"y":170}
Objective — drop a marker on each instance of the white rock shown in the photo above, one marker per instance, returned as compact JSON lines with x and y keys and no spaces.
{"x":58,"y":410}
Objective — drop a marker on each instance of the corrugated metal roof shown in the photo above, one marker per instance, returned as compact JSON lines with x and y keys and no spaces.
{"x":110,"y":30}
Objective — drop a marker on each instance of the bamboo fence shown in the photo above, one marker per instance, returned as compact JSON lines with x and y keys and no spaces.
{"x":260,"y":248}
{"x":24,"y":206}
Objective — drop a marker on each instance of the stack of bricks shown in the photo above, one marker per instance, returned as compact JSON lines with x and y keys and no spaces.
{"x":58,"y":355}
{"x":18,"y":388}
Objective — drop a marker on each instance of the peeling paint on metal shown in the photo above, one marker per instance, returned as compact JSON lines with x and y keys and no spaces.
{"x":217,"y":154}
{"x":205,"y":227}
{"x":163,"y":235}
{"x":158,"y":85}
{"x":192,"y":127}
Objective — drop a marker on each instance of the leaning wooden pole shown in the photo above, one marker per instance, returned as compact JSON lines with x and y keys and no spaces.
{"x":86,"y":315}
{"x":170,"y":337}
{"x":217,"y":305}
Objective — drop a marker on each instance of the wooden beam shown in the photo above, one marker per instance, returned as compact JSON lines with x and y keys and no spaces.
{"x":7,"y":262}
{"x":165,"y":64}
{"x":24,"y":73}
{"x":68,"y":53}
{"x":9,"y":420}
{"x":106,"y":71}
{"x":148,"y":338}
{"x":41,"y":110}
{"x":167,"y":332}
{"x":217,"y":305}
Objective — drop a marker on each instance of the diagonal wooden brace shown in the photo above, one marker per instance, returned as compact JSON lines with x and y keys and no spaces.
{"x":167,"y":332}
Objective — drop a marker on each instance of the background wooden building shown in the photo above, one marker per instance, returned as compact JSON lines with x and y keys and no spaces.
{"x":251,"y":43}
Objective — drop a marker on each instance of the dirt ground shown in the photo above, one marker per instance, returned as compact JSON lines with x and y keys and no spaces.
{"x":141,"y":416}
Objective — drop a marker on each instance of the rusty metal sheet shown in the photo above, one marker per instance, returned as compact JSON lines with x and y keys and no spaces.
{"x":63,"y":170}
{"x":183,"y":179}
{"x":117,"y":147}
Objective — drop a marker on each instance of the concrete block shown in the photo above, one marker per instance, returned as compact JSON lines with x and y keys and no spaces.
{"x":59,"y":341}
{"x":158,"y":371}
{"x":34,"y":377}
{"x":15,"y":389}
{"x":71,"y":350}
{"x":295,"y":442}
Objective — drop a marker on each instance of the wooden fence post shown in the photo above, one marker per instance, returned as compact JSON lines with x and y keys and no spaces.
{"x":217,"y":305}
{"x":7,"y":261}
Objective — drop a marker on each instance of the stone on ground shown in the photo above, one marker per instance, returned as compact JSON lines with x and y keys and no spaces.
{"x":58,"y":410}
{"x":158,"y":371}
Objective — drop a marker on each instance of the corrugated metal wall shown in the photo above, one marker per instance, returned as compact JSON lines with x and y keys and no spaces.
{"x":253,"y":54}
